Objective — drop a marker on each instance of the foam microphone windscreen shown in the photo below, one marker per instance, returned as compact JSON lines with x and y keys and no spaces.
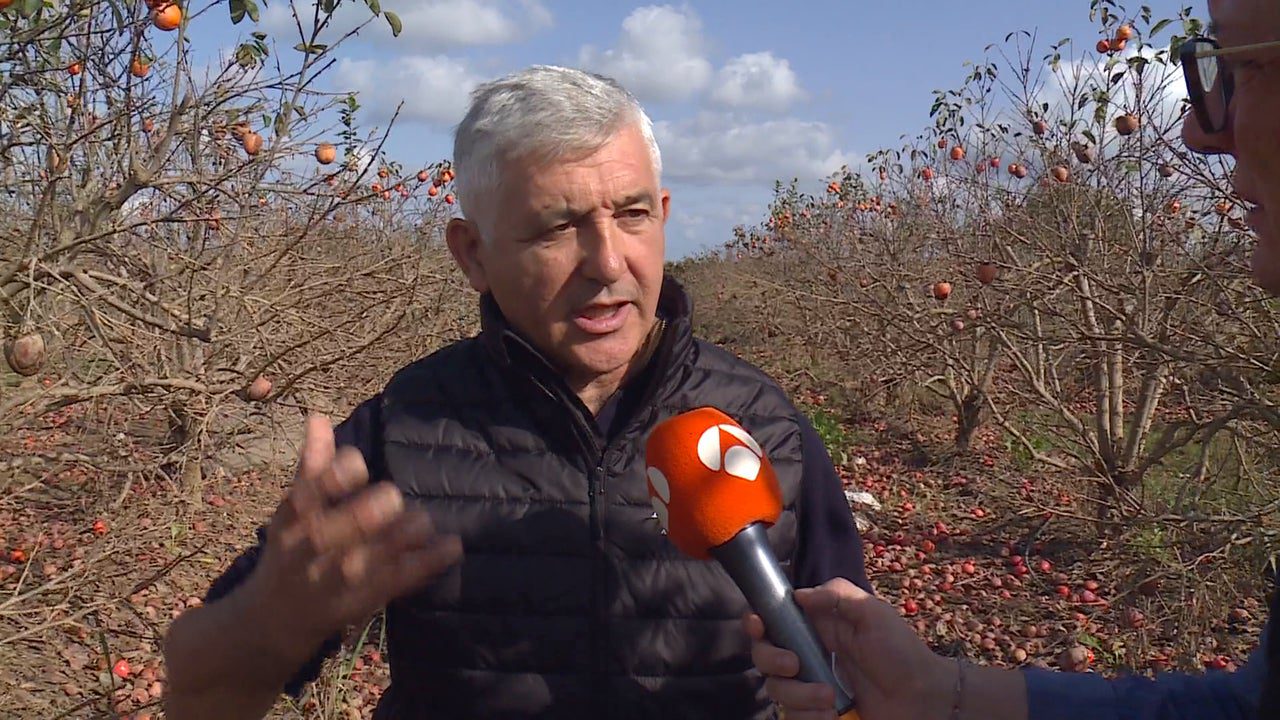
{"x":708,"y":480}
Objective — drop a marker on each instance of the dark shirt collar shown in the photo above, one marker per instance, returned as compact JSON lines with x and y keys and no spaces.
{"x":514,"y":351}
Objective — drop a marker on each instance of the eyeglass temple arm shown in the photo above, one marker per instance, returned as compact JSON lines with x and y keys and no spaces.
{"x":1237,"y":48}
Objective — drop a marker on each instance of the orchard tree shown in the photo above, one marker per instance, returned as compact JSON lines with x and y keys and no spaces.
{"x":186,"y":234}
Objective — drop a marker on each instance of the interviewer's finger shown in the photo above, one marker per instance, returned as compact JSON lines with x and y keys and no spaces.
{"x":839,"y":596}
{"x":802,"y":697}
{"x":773,"y":660}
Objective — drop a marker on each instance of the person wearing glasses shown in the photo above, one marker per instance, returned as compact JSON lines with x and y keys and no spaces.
{"x":1233,"y":84}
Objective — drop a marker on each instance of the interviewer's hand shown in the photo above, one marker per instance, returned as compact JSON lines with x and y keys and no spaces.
{"x":891,"y":672}
{"x":339,"y":548}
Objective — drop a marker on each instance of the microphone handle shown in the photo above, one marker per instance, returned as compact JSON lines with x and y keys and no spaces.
{"x":749,"y":560}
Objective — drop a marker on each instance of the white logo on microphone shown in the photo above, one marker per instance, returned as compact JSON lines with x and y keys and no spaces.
{"x":740,"y":461}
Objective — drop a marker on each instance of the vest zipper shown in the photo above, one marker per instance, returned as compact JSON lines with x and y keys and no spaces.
{"x":598,"y":630}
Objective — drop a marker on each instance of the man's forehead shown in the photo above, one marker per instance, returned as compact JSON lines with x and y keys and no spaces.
{"x":1237,"y":22}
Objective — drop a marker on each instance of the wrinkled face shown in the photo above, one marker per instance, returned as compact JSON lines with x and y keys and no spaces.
{"x":1252,"y":135}
{"x":573,"y":254}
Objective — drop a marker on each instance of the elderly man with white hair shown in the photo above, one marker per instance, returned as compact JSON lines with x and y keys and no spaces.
{"x":492,"y":497}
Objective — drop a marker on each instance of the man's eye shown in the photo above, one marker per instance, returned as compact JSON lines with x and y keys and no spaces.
{"x":636,"y":213}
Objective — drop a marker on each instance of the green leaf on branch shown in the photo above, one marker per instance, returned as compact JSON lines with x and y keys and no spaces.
{"x":394,"y":21}
{"x":375,"y":7}
{"x":237,"y":10}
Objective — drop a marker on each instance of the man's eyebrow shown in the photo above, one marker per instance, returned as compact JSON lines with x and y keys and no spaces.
{"x":642,"y":196}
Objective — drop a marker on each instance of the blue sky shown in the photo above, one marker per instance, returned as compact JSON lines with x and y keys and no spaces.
{"x":742,"y":92}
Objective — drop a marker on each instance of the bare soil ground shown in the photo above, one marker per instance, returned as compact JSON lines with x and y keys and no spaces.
{"x":986,"y":560}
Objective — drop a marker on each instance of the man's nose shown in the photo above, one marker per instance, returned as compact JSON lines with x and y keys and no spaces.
{"x":602,"y":257}
{"x":1205,"y":143}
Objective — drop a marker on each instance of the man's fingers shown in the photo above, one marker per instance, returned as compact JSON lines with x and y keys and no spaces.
{"x":316,"y":458}
{"x":317,"y":447}
{"x":346,"y":474}
{"x":773,"y":660}
{"x":359,"y":519}
{"x":412,"y":530}
{"x":798,"y":697}
{"x":753,"y":625}
{"x":412,"y":569}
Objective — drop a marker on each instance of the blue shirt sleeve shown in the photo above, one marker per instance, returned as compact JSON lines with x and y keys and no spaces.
{"x":358,"y":430}
{"x":829,"y":543}
{"x":1214,"y":695}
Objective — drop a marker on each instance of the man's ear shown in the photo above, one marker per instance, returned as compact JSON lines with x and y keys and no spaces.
{"x":464,"y":241}
{"x":665,"y":194}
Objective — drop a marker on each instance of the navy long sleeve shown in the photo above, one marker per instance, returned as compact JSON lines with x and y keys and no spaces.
{"x":359,"y":431}
{"x":830,"y":545}
{"x":1170,"y":696}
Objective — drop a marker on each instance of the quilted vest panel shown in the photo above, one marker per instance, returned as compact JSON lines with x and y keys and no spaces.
{"x":569,"y":602}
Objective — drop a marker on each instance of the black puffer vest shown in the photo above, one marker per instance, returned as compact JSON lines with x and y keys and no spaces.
{"x":569,"y":602}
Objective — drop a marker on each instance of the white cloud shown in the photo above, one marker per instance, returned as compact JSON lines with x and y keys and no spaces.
{"x":716,"y":147}
{"x":1161,"y":96}
{"x":434,"y":90}
{"x":426,"y":23}
{"x":759,"y":81}
{"x":659,"y":55}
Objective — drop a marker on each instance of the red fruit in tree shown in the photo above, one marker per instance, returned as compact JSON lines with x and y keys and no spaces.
{"x":1127,"y":124}
{"x":987,"y":273}
{"x":121,"y":668}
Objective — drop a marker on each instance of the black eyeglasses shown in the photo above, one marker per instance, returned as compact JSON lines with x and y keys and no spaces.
{"x":1209,"y":80}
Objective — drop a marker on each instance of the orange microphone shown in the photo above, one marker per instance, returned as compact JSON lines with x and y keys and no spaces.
{"x":715,"y":493}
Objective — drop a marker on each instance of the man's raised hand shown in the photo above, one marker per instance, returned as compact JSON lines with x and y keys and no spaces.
{"x":339,"y":548}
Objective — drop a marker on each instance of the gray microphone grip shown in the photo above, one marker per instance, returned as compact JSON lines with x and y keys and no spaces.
{"x":749,"y":560}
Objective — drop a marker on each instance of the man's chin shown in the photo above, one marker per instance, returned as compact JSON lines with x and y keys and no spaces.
{"x":1266,"y":263}
{"x":603,"y":354}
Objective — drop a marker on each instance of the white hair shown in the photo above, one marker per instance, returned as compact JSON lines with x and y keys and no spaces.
{"x":540,"y":114}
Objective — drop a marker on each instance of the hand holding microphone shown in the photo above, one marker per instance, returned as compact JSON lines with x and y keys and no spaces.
{"x":715,"y":493}
{"x":894,"y":674}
